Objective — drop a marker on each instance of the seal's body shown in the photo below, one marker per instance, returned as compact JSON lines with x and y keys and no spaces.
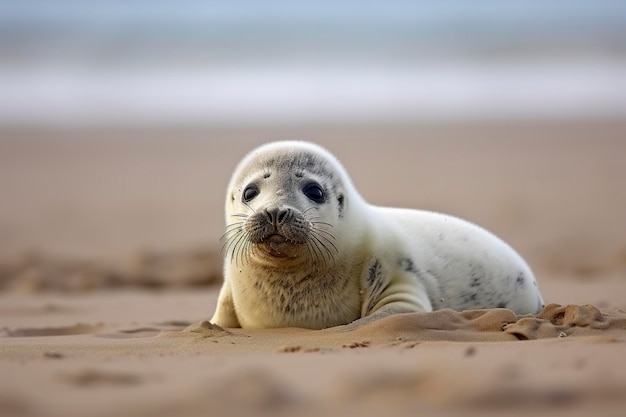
{"x":303,"y":249}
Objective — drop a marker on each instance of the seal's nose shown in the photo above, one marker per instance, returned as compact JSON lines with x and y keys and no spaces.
{"x":278,"y":216}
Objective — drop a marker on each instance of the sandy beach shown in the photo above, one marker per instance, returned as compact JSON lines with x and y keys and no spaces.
{"x":109,"y":269}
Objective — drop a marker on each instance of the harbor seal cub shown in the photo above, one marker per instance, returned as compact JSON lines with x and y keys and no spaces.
{"x":304,"y":249}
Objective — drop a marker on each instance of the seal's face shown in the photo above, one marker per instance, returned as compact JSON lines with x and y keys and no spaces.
{"x":281,"y":209}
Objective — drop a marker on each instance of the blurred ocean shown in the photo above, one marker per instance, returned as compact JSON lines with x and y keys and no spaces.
{"x":263,"y":62}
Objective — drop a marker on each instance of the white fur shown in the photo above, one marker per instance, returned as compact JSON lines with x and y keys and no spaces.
{"x":387,"y":260}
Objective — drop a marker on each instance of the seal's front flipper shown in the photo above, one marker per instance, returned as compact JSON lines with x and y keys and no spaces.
{"x":225,"y":315}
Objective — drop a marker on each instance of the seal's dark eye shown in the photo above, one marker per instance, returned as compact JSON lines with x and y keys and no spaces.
{"x":250,"y":192}
{"x":315,"y":192}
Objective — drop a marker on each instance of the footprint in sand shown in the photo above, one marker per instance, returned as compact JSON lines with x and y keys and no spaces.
{"x":79,"y":328}
{"x":93,"y":377}
{"x":148,"y":331}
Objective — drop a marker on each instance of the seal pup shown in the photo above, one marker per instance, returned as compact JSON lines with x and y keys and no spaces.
{"x":304,"y":249}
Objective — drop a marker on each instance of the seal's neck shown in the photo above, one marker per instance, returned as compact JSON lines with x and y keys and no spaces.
{"x":307,"y":299}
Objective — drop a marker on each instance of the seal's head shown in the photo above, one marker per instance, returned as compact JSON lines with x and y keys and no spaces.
{"x":283,"y":204}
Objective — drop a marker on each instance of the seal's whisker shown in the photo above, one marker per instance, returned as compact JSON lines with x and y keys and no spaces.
{"x":319,"y":245}
{"x":252,"y":249}
{"x":249,"y":247}
{"x":248,"y":205}
{"x":308,"y":248}
{"x":223,"y":248}
{"x":230,"y":232}
{"x":238,"y":254}
{"x":326,"y":239}
{"x":234,"y":224}
{"x":328,"y":251}
{"x":228,"y":240}
{"x":326,"y":232}
{"x":313,"y":218}
{"x":319,"y":255}
{"x":232,"y":253}
{"x":232,"y":239}
{"x":227,"y":234}
{"x":240,"y":247}
{"x":245,"y":250}
{"x":318,"y":252}
{"x":237,"y":247}
{"x":232,"y":245}
{"x":324,"y":223}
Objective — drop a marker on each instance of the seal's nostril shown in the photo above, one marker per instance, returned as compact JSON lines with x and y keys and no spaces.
{"x":277,"y":216}
{"x":282,"y":216}
{"x":271,"y":215}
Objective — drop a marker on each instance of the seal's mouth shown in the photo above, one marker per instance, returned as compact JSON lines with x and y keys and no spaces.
{"x":276,"y":238}
{"x":278,"y":246}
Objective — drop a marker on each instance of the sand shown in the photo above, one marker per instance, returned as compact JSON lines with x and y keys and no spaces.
{"x":109,"y":270}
